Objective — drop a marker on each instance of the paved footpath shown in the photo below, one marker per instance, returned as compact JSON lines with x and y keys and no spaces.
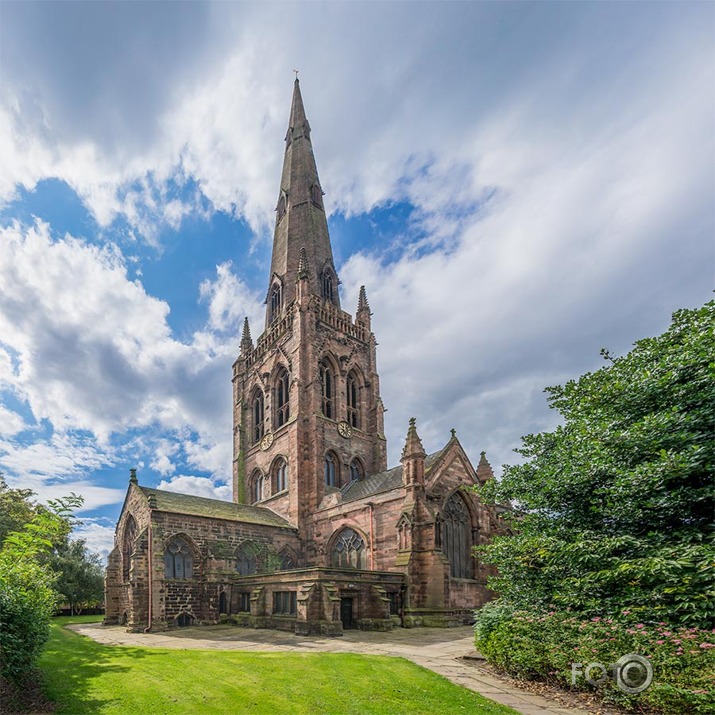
{"x":438,"y":649}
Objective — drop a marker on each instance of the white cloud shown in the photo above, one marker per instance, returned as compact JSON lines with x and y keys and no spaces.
{"x":10,"y":422}
{"x":98,"y":534}
{"x":197,"y":486}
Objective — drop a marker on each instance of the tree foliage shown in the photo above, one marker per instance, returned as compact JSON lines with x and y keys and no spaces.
{"x":80,"y":575}
{"x":616,"y":504}
{"x":27,"y":595}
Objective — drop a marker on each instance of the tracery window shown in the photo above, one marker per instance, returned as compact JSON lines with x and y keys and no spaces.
{"x":275,"y":301}
{"x":328,"y":285}
{"x":257,"y":410}
{"x":130,"y":534}
{"x":457,"y":537}
{"x":178,"y":562}
{"x":287,"y":561}
{"x":246,"y":559}
{"x":327,"y":389}
{"x":349,"y":550}
{"x":356,"y":470}
{"x":256,"y":486}
{"x":353,"y":393}
{"x":331,"y":470}
{"x":282,"y":398}
{"x":280,"y":476}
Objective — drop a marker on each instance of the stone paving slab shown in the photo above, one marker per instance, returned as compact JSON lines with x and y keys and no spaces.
{"x":439,"y":650}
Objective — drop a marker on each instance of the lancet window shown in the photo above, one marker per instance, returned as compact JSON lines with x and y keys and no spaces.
{"x":282,"y":398}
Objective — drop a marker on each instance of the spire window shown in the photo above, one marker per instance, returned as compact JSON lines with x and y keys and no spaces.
{"x":280,"y":476}
{"x":331,"y":470}
{"x":276,"y":299}
{"x":327,"y":389}
{"x":257,"y":414}
{"x":353,"y":396}
{"x":281,"y":208}
{"x":282,"y":398}
{"x":327,"y":284}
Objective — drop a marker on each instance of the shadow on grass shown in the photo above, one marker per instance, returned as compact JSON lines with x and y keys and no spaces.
{"x":72,"y":667}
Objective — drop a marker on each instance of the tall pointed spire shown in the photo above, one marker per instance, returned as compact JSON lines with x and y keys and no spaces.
{"x":300,"y":218}
{"x":246,"y":340}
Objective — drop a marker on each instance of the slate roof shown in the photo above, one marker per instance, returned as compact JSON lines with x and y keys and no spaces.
{"x":383,"y":481}
{"x":213,"y":508}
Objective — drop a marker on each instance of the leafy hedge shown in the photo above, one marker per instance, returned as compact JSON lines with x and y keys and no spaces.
{"x":544,"y":646}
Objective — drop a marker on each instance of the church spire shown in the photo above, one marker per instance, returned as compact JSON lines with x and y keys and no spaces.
{"x":300,"y":219}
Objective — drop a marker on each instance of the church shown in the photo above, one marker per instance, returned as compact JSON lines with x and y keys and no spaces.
{"x":320,"y":536}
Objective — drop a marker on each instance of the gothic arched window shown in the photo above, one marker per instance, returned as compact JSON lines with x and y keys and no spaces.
{"x":287,"y":561}
{"x":331,"y":470}
{"x":356,"y":470}
{"x":282,"y":398}
{"x":178,"y":562}
{"x":130,"y":534}
{"x":353,"y":394}
{"x":280,"y":476}
{"x":316,"y":194}
{"x":327,"y":389}
{"x":457,"y":537}
{"x":349,"y":550}
{"x":275,"y":301}
{"x":246,"y":559}
{"x":281,"y":208}
{"x":257,"y":415}
{"x":222,"y":603}
{"x":256,"y":485}
{"x":327,"y":284}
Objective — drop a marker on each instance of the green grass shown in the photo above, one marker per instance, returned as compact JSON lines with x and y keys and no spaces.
{"x":83,"y":676}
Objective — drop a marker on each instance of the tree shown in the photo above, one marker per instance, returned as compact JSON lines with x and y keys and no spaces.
{"x":616,"y":504}
{"x":80,"y":575}
{"x":27,"y":598}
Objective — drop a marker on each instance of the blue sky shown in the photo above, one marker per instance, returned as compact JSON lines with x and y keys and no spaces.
{"x":517,"y":185}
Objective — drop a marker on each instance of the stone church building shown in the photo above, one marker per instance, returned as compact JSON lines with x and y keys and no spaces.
{"x":320,"y":536}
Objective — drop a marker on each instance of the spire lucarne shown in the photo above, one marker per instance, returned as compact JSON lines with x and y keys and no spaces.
{"x":300,"y":220}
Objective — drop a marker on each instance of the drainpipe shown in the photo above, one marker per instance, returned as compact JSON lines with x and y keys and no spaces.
{"x":151,"y":569}
{"x":372,"y":536}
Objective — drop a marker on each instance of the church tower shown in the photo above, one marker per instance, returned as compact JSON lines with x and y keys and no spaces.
{"x":308,"y":418}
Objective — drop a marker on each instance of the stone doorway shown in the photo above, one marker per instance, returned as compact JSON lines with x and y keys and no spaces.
{"x":346,"y":613}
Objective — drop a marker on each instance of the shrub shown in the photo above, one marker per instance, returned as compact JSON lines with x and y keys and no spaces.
{"x":543,"y":646}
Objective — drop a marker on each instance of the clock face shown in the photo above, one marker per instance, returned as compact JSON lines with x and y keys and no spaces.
{"x":344,"y":429}
{"x":267,"y":441}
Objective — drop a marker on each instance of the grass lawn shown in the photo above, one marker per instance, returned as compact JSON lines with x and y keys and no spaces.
{"x":83,"y":676}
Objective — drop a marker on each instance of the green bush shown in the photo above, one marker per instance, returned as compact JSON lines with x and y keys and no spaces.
{"x":543,"y":646}
{"x":27,"y":602}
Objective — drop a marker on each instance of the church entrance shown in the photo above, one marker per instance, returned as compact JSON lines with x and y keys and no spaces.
{"x":346,"y":613}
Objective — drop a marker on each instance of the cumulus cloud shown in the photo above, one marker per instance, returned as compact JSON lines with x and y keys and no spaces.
{"x":93,"y":356}
{"x":98,"y":534}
